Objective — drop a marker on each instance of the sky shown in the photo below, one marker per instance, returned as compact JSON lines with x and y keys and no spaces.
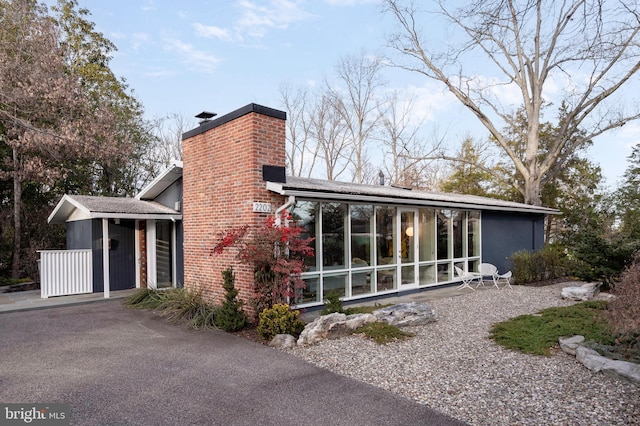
{"x":184,"y":57}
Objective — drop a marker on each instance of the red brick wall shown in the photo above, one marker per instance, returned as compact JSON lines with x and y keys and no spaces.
{"x":222,"y":178}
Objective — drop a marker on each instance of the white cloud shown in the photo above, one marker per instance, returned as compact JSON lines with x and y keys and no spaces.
{"x":209,"y":31}
{"x":138,"y":40}
{"x":198,"y":59}
{"x":256,"y":20}
{"x":350,"y":2}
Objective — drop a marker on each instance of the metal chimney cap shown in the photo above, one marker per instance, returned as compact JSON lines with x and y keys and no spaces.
{"x":205,"y":115}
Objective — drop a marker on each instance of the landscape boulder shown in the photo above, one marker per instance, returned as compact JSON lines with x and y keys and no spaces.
{"x":570,"y":344}
{"x":581,"y":293}
{"x":406,"y":314}
{"x":332,"y":326}
{"x":283,"y":341}
{"x":591,"y":359}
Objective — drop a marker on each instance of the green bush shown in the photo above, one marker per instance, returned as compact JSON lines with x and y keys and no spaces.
{"x":279,"y":319}
{"x":548,"y":263}
{"x":230,"y":316}
{"x":332,"y":303}
{"x":176,"y":304}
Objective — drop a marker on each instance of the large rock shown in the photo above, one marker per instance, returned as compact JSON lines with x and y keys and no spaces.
{"x":283,"y":341}
{"x":619,"y":369}
{"x":582,"y":293}
{"x":570,"y":344}
{"x":332,"y":326}
{"x":406,"y":314}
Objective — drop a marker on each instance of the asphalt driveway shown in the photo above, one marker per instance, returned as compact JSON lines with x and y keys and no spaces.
{"x":115,"y":365}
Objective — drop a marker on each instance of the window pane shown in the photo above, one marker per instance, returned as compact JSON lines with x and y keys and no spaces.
{"x":386,"y":279}
{"x":335,"y":283}
{"x":361,"y":283}
{"x":443,"y":233}
{"x":361,"y":235}
{"x":305,"y":213}
{"x":310,"y":293}
{"x":407,"y":241}
{"x":473,"y":234}
{"x":407,"y":274}
{"x":427,"y":274}
{"x":457,"y":219}
{"x":385,"y":226}
{"x":333,"y":235}
{"x":444,"y":272}
{"x":427,"y":238}
{"x":473,"y":265}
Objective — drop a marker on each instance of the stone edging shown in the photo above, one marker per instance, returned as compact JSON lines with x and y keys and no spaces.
{"x":595,"y":362}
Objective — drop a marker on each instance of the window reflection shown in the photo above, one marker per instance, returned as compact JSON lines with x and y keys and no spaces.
{"x":333,"y":235}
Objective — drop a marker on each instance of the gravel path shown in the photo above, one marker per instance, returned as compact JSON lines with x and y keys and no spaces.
{"x":452,"y":366}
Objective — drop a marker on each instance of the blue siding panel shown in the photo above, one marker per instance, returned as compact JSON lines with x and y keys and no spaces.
{"x":505,"y":233}
{"x":79,"y":235}
{"x":96,"y":238}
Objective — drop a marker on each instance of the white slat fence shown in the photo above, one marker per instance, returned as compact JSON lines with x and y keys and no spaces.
{"x":64,"y":272}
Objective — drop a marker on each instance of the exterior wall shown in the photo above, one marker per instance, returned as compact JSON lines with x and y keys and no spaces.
{"x":505,"y":233}
{"x":96,"y":242}
{"x":169,"y":196}
{"x":79,"y":235}
{"x":222,"y":178}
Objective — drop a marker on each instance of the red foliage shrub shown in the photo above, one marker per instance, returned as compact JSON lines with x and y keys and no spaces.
{"x":623,"y":312}
{"x":277,"y":255}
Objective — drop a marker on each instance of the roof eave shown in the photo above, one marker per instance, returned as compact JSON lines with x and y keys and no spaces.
{"x":296,"y":192}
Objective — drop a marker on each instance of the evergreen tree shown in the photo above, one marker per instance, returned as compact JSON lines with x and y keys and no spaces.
{"x":230,"y":316}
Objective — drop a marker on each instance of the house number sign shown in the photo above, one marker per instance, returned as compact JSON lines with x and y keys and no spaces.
{"x":261,"y":208}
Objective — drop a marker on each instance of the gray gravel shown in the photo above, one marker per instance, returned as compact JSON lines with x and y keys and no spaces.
{"x":453,"y":367}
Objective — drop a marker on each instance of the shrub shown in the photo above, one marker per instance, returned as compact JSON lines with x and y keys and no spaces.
{"x":178,"y":305}
{"x":279,"y":319}
{"x":332,"y":303}
{"x":277,"y":255}
{"x":623,"y":313}
{"x":230,"y":316}
{"x":548,"y":263}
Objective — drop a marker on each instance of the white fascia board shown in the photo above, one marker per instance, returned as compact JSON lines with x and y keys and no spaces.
{"x":141,"y":216}
{"x":402,"y":201}
{"x":65,"y":201}
{"x":175,"y":165}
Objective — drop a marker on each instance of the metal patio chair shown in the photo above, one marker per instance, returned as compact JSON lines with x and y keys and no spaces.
{"x":466,"y":277}
{"x":488,"y":270}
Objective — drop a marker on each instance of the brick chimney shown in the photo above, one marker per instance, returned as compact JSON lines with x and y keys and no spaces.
{"x":222,"y":178}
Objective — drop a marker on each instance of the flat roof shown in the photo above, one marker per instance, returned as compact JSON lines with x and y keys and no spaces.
{"x":345,"y":191}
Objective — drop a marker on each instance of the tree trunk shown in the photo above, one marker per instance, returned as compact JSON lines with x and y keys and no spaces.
{"x":17,"y":223}
{"x":532,"y":191}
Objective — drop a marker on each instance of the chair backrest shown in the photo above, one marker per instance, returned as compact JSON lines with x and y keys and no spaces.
{"x":487,"y":269}
{"x":506,"y":275}
{"x":460,"y":272}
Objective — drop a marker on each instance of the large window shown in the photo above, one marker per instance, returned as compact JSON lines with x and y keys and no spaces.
{"x":366,"y":249}
{"x":305,"y":213}
{"x":361,"y":235}
{"x":334,"y":254}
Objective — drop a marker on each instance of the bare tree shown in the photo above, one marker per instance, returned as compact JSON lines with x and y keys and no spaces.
{"x":588,"y":47}
{"x":330,"y":132}
{"x":408,"y":159}
{"x":302,"y":149}
{"x":355,"y":100}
